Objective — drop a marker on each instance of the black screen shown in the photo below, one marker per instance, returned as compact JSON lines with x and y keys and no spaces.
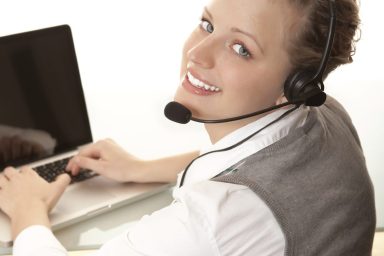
{"x":42,"y":106}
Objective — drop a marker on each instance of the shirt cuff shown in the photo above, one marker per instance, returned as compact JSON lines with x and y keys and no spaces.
{"x":37,"y":240}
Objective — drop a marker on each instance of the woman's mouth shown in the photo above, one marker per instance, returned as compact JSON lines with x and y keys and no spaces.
{"x":200,"y":84}
{"x":199,"y":87}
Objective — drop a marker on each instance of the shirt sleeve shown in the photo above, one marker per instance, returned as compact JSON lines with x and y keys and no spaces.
{"x":37,"y":240}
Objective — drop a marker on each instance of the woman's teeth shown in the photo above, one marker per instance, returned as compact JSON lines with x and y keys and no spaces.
{"x":199,"y":84}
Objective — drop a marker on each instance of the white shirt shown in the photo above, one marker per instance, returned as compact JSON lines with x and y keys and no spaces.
{"x":206,"y":217}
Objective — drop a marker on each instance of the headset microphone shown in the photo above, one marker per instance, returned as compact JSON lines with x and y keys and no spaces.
{"x":178,"y":113}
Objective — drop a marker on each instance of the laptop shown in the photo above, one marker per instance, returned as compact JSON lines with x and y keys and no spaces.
{"x":42,"y":108}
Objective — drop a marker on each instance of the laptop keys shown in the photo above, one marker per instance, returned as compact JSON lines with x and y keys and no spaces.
{"x":50,"y":171}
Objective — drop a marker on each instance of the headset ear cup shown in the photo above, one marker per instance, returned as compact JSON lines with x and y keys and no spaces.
{"x":314,"y":96}
{"x":300,"y":87}
{"x":288,"y":84}
{"x":294,"y":84}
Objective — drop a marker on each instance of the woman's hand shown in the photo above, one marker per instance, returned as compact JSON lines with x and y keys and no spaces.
{"x":107,"y":158}
{"x":27,"y":198}
{"x":110,"y":160}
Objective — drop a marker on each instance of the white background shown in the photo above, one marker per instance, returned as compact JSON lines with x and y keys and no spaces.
{"x":129,"y":54}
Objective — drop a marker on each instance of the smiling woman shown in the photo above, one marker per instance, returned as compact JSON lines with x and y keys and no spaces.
{"x":289,"y":182}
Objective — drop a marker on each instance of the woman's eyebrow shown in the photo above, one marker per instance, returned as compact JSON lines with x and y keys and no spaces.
{"x":237,"y":30}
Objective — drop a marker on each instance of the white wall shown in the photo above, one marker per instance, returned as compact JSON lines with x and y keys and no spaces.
{"x":129,"y":53}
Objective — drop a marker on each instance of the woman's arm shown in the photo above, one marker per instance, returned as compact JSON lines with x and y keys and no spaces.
{"x":165,"y":169}
{"x":110,"y":160}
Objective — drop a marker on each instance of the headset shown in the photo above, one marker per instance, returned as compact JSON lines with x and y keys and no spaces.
{"x":307,"y":85}
{"x":301,"y":87}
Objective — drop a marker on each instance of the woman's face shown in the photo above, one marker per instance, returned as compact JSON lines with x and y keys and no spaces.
{"x":235,"y":61}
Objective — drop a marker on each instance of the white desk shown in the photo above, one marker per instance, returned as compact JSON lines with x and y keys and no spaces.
{"x":92,"y":233}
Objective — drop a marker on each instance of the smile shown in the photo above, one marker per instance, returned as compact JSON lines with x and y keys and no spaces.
{"x":200,"y":84}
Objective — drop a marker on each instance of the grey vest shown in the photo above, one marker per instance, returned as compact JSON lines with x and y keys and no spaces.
{"x":316,"y":183}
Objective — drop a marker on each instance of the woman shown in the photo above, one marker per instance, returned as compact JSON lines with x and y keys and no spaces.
{"x":297,"y":187}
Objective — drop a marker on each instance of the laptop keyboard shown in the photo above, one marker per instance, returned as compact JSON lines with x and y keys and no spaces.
{"x":50,"y":171}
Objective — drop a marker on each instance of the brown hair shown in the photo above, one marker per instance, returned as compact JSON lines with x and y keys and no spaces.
{"x":307,"y":44}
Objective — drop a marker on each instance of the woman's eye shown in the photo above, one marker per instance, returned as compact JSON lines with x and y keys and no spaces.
{"x":207,"y":26}
{"x":241,"y":50}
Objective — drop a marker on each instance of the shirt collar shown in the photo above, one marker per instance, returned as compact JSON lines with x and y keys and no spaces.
{"x":245,"y":131}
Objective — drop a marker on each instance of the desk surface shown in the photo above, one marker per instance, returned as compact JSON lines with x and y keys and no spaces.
{"x":94,"y":232}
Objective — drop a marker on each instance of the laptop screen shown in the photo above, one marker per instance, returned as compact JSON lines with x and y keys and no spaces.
{"x":42,"y":106}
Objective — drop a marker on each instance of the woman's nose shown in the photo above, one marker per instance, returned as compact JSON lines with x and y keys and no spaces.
{"x":202,"y":53}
